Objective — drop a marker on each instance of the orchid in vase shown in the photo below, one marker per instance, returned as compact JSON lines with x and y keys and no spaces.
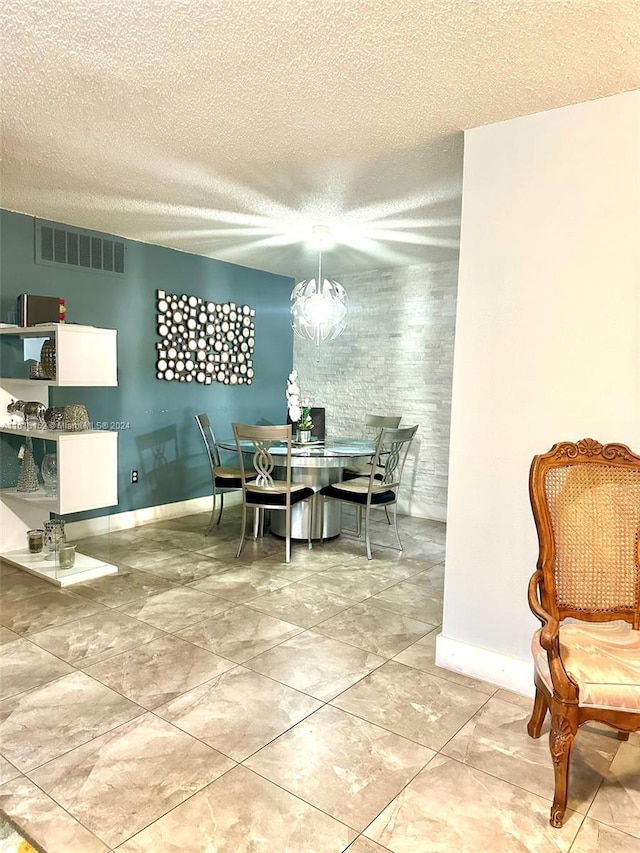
{"x":299,"y":407}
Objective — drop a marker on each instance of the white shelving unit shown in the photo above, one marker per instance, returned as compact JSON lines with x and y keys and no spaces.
{"x":87,"y":460}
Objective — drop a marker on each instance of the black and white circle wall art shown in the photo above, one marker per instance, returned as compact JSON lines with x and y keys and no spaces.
{"x":204,"y":341}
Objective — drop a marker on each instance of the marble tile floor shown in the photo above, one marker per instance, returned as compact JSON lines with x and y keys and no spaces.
{"x":197,"y":703}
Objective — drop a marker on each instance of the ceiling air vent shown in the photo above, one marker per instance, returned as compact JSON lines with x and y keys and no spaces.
{"x":86,"y":250}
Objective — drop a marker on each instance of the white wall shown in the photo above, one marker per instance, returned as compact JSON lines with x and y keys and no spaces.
{"x":547,"y":349}
{"x":396,"y":358}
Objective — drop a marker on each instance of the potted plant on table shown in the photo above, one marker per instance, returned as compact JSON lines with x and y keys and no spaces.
{"x":299,"y":409}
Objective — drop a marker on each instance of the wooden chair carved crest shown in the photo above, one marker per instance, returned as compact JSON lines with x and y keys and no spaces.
{"x":586,"y":592}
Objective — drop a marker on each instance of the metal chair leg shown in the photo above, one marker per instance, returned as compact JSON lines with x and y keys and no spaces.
{"x":221,"y":507}
{"x":213,"y":514}
{"x":395,"y":525}
{"x":366,"y":531}
{"x":244,"y":521}
{"x":386,"y":512}
{"x":287,"y":552}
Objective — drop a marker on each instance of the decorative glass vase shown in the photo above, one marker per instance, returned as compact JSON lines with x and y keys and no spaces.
{"x":48,"y":358}
{"x":49,"y":471}
{"x":54,"y":536}
{"x":28,"y":474}
{"x":66,"y":556}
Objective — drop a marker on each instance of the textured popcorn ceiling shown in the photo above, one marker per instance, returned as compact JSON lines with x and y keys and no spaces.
{"x":229,"y":127}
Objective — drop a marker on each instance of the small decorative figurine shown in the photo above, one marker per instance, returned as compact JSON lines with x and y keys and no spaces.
{"x":30,"y":411}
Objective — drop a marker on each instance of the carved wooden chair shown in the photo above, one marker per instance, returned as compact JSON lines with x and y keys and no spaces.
{"x":586,"y":592}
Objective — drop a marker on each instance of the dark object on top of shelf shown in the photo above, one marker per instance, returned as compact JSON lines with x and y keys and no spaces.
{"x":33,"y":310}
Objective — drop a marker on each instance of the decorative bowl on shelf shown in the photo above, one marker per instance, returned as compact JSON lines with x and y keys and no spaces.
{"x":75,"y":417}
{"x":53,"y":417}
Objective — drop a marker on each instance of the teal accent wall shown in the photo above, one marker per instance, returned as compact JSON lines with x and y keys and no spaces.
{"x":162,"y":441}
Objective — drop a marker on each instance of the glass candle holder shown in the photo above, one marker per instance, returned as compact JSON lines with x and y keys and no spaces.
{"x":54,"y":536}
{"x":35,"y":538}
{"x":66,"y":556}
{"x":49,"y":471}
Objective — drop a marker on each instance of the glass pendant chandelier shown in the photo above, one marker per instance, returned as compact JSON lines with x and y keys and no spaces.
{"x":318,"y":306}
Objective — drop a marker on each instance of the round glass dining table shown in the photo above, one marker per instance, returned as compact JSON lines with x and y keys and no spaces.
{"x":316,"y":464}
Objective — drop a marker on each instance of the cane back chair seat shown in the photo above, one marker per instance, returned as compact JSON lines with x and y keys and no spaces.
{"x":586,"y":593}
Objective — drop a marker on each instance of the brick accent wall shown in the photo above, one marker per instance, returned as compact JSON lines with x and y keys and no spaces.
{"x":395,"y":357}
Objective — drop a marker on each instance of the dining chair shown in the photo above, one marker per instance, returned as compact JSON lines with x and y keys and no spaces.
{"x":372,"y":426}
{"x":264,"y":491}
{"x":223,"y":478}
{"x":585,"y":591}
{"x":381,"y":486}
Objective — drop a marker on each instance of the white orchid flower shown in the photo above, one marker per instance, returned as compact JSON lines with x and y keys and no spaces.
{"x":295,"y":413}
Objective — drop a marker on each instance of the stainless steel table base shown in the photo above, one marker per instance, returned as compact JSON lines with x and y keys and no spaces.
{"x":300,"y":513}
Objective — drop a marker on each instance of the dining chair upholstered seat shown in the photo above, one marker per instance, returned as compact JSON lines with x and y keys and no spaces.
{"x":263,"y":491}
{"x":603,"y":659}
{"x":381,"y":486}
{"x":586,"y":593}
{"x":223,"y":477}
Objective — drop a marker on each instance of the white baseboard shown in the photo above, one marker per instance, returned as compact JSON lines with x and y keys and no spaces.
{"x":146,"y":515}
{"x":502,"y":670}
{"x":421,"y":509}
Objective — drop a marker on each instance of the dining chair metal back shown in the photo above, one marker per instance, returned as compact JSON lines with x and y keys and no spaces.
{"x":381,"y":486}
{"x":266,"y":491}
{"x":372,"y":426}
{"x":379,"y":422}
{"x":223,"y":478}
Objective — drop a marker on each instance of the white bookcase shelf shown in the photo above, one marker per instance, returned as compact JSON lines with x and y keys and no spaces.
{"x":85,"y":568}
{"x":87,"y":460}
{"x":85,"y":355}
{"x":45,"y":434}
